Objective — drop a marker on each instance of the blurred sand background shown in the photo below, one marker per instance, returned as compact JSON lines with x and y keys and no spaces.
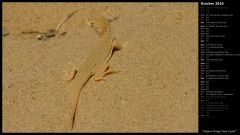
{"x":156,"y":89}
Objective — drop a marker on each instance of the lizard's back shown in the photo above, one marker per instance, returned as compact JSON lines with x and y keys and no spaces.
{"x":100,"y":53}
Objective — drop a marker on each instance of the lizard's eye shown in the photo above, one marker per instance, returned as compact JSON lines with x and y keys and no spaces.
{"x":90,"y":23}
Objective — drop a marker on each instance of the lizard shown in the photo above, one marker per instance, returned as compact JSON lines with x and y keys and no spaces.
{"x":96,"y":64}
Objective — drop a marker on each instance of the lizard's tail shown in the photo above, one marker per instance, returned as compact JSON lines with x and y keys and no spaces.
{"x":66,"y":18}
{"x":73,"y":119}
{"x":76,"y":87}
{"x":75,"y":99}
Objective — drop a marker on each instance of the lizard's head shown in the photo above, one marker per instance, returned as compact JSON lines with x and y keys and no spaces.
{"x":99,"y":23}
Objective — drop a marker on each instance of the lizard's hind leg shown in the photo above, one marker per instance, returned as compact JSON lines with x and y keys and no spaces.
{"x":69,"y":74}
{"x":102,"y":70}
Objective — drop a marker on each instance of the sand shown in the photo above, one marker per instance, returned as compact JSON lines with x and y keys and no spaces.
{"x":156,"y":89}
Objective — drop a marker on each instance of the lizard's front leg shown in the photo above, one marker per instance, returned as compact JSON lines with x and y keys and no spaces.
{"x":116,"y":45}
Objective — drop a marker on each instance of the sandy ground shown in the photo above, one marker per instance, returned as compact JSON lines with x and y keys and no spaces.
{"x":156,"y":89}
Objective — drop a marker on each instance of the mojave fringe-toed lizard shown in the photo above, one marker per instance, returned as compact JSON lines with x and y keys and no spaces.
{"x":96,"y":64}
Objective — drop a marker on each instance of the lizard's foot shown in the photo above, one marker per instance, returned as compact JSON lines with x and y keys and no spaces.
{"x":102,"y":71}
{"x":70,"y":74}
